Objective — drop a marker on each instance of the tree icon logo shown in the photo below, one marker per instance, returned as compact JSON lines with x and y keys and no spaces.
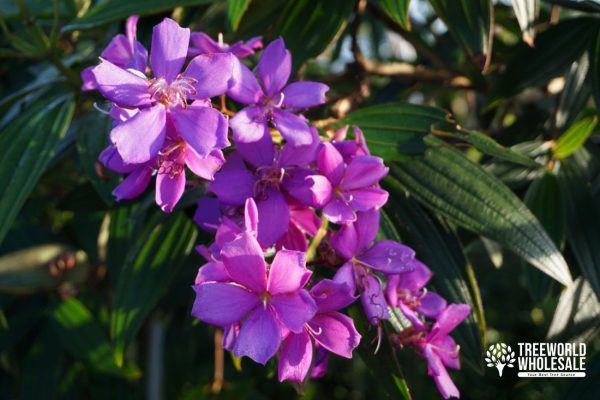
{"x":500,"y":355}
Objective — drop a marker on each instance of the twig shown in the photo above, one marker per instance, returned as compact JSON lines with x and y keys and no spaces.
{"x":219,"y":376}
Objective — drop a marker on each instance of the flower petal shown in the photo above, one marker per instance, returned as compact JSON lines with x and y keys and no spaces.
{"x":306,"y":187}
{"x":389,"y":257}
{"x":330,"y":163}
{"x":121,"y":86}
{"x":417,"y":278}
{"x":345,"y":241}
{"x":245,"y":263}
{"x":367,"y":226}
{"x":111,"y":159}
{"x":300,"y":156}
{"x":339,"y":212}
{"x":204,"y":129}
{"x":304,"y":94}
{"x":288,"y":272}
{"x":245,"y":88}
{"x":140,"y":138}
{"x":336,"y":333}
{"x":202,"y":44}
{"x":249,"y":125}
{"x":213,"y":271}
{"x":169,"y":48}
{"x":373,"y":300}
{"x":331,"y":295}
{"x":260,"y":153}
{"x":134,"y":184}
{"x":368,"y":198}
{"x":436,"y":370}
{"x":233,"y":184}
{"x":294,"y":309}
{"x":295,"y":357}
{"x":222,"y":304}
{"x":259,"y":337}
{"x":449,"y":319}
{"x":273,"y":217}
{"x":169,"y":190}
{"x":205,"y":167}
{"x":345,"y":274}
{"x":208,"y":214}
{"x":293,"y":128}
{"x":431,"y":304}
{"x":275,"y":67}
{"x":213,"y":73}
{"x":363,"y":171}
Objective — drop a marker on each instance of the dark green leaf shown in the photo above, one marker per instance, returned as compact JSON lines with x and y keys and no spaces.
{"x":594,"y":72}
{"x":575,"y":94}
{"x":555,"y":50}
{"x":40,"y":381}
{"x":114,"y":10}
{"x":235,"y":12}
{"x":440,"y":250}
{"x":91,"y":138}
{"x":383,"y":365}
{"x":582,"y":222}
{"x":575,"y":136}
{"x":579,"y":5}
{"x":398,"y":11}
{"x":469,"y":23}
{"x":28,"y":144}
{"x":489,"y":146}
{"x":82,"y":337}
{"x":527,"y":11}
{"x":21,"y":317}
{"x":586,"y":388}
{"x":309,"y":26}
{"x":122,"y":233}
{"x":395,"y":130}
{"x":544,"y":199}
{"x":453,"y":186}
{"x":151,"y":264}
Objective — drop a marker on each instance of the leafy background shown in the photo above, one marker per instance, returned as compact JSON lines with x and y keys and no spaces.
{"x":485,"y":111}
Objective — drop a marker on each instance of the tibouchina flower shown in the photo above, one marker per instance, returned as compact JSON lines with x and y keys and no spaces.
{"x":354,"y":185}
{"x":353,"y":243}
{"x":164,"y":98}
{"x":201,"y":43}
{"x":268,"y":95}
{"x":124,"y":51}
{"x":330,"y":329}
{"x":438,"y":348}
{"x":263,"y":299}
{"x":268,"y":174}
{"x":406,"y":291}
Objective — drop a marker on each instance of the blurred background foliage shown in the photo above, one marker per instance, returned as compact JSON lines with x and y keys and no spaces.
{"x":486,"y":112}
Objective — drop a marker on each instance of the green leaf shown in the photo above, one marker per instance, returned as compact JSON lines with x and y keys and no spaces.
{"x":82,"y":337}
{"x":555,"y":50}
{"x":440,"y":250}
{"x":468,"y":22}
{"x":383,"y":365}
{"x":395,"y":130}
{"x":398,"y":11}
{"x":122,"y":233}
{"x":583,"y":220}
{"x":527,"y":12}
{"x":151,"y":264}
{"x":575,"y":94}
{"x":586,"y":388}
{"x":235,"y":12}
{"x":91,"y":138}
{"x":309,"y":26}
{"x":20,"y":319}
{"x":579,"y":5}
{"x":575,"y":136}
{"x":594,"y":72}
{"x":451,"y":185}
{"x":544,"y":199}
{"x":28,"y":144}
{"x":39,"y":381}
{"x":114,"y":10}
{"x":489,"y":146}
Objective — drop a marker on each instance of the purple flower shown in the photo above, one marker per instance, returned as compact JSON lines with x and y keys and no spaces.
{"x":263,"y":300}
{"x":201,"y":43}
{"x":350,"y":148}
{"x":354,"y":185}
{"x":123,"y":51}
{"x":330,"y":329}
{"x":406,"y":292}
{"x":163,"y":99}
{"x":439,"y":349}
{"x":168,"y":165}
{"x":268,"y":95}
{"x":272,"y":175}
{"x":353,"y":243}
{"x":303,"y":221}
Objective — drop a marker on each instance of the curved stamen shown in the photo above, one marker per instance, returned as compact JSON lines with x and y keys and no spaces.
{"x":281,"y":99}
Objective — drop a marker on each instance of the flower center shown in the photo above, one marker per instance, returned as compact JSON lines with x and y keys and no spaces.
{"x":268,"y":178}
{"x":174,"y":94}
{"x":265,"y":298}
{"x":170,"y":160}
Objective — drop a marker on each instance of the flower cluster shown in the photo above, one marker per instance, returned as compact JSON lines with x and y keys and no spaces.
{"x":281,"y":190}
